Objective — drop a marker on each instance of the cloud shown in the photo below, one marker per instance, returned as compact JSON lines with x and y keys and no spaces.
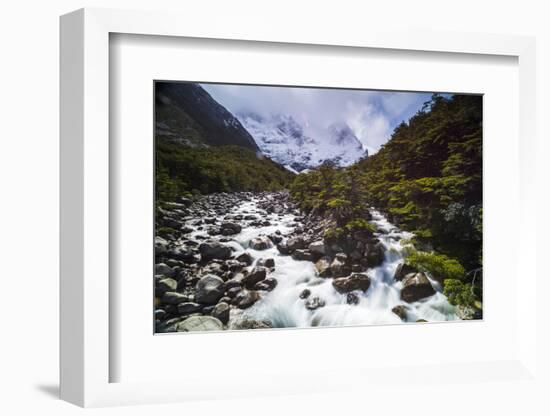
{"x":372,"y":115}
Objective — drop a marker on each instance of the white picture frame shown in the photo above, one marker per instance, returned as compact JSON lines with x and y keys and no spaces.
{"x":85,"y":212}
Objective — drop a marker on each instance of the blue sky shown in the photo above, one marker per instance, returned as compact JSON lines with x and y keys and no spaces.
{"x":372,"y":115}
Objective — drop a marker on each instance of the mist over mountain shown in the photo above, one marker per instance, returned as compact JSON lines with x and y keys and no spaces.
{"x":283,"y":139}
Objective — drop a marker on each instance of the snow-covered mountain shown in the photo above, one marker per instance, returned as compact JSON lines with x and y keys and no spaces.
{"x":282,"y":139}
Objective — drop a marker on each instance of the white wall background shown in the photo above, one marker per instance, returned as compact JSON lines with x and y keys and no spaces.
{"x":29,"y":207}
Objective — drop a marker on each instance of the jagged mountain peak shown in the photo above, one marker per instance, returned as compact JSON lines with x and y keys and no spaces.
{"x":285,"y":140}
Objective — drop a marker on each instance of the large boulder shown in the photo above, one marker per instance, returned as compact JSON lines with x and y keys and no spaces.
{"x":187,"y":308}
{"x":245,"y":258}
{"x":164,"y":269}
{"x":323,"y":267}
{"x":214,"y":250}
{"x":165,"y":285}
{"x":260,"y":243}
{"x":173,"y":298}
{"x":339,"y":267}
{"x":401,"y":311}
{"x":230,"y":228}
{"x":374,"y":254}
{"x":356,"y":281}
{"x":283,"y":248}
{"x":268,"y":284}
{"x":317,"y":247}
{"x":304,"y":255}
{"x":257,"y":274}
{"x":221,"y":312}
{"x":415,"y":287}
{"x":296,"y":243}
{"x":209,"y":289}
{"x":245,"y":299}
{"x":199,"y":323}
{"x":402,"y":270}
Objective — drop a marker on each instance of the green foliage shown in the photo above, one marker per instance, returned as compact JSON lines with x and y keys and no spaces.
{"x":333,"y":233}
{"x":459,"y":293}
{"x":360,"y":224}
{"x":427,"y":177}
{"x":438,"y":265}
{"x":183,"y":170}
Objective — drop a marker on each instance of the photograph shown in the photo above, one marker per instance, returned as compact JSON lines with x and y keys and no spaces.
{"x":282,"y":206}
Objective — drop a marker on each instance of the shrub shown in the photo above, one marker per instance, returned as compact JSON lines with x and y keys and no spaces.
{"x":360,"y":224}
{"x":438,"y":265}
{"x":459,"y":293}
{"x":333,"y":233}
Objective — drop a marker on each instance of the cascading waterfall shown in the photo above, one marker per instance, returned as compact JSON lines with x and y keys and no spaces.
{"x":283,"y":306}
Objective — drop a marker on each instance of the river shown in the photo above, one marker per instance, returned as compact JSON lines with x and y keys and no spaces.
{"x":283,"y":307}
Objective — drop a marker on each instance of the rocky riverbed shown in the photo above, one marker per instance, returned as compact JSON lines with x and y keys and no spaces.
{"x":247,"y":261}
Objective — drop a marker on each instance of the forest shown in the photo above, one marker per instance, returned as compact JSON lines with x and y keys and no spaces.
{"x":427,"y":179}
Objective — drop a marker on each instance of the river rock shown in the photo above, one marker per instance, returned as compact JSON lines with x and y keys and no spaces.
{"x":230,"y":228}
{"x":161,"y":245}
{"x":245,"y":299}
{"x":352,"y":298}
{"x":184,"y":201}
{"x":283,"y":248}
{"x":356,"y":281}
{"x":199,"y":323}
{"x":160,"y":314}
{"x":221,"y":312}
{"x":187,"y":308}
{"x":245,"y":258}
{"x":314,"y":303}
{"x":304,"y":255}
{"x":296,"y":243}
{"x":260,"y":243}
{"x":234,"y":291}
{"x":214,"y":250}
{"x":209,"y":289}
{"x":252,"y":324}
{"x":317,"y":247}
{"x":173,"y":298}
{"x":237,"y":281}
{"x":182,"y":253}
{"x":416,"y":287}
{"x":233,"y":265}
{"x":164,"y":269}
{"x":276,"y":238}
{"x":338,"y":267}
{"x":374,"y":254}
{"x":257,"y":274}
{"x":402,"y":270}
{"x":269,"y":263}
{"x":323,"y":267}
{"x":268,"y":284}
{"x":165,"y":285}
{"x":305,"y":294}
{"x":401,"y":311}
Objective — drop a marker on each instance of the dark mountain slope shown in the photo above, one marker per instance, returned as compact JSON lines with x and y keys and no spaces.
{"x":185,"y":113}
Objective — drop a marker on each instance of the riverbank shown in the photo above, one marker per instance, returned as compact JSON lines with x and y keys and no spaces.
{"x":244,"y":261}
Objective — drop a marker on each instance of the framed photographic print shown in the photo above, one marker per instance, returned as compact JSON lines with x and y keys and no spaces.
{"x":318,"y":214}
{"x":273,"y":206}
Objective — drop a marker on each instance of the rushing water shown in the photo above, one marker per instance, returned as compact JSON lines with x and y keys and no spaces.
{"x":284,"y":308}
